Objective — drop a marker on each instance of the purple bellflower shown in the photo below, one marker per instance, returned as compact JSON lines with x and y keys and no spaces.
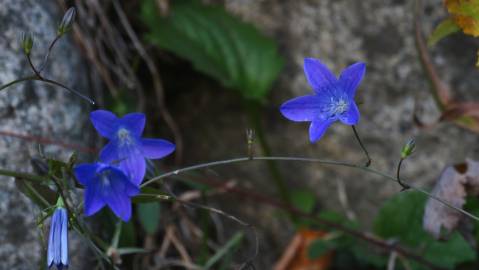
{"x":332,"y":100}
{"x":126,"y":147}
{"x":106,"y":185}
{"x":57,"y":254}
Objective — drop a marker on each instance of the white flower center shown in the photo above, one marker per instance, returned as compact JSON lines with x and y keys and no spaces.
{"x":124,"y":136}
{"x":104,"y":180}
{"x":338,"y":106}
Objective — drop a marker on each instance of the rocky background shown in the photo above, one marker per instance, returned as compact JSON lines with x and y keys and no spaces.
{"x":340,"y":32}
{"x":213,"y":122}
{"x":36,"y":110}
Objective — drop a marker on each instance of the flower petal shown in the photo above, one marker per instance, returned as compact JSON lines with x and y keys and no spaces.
{"x":93,"y":199}
{"x":64,"y":237}
{"x":351,"y":116}
{"x":105,"y":122}
{"x":305,"y":108}
{"x":156,"y":148}
{"x":116,"y":195}
{"x":134,"y":122}
{"x":318,"y":74}
{"x":317,"y":128}
{"x":135,"y":167}
{"x":351,"y":77}
{"x":110,"y":152}
{"x":84,"y":173}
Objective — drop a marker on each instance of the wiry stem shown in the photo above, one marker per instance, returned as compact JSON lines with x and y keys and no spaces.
{"x":304,"y":159}
{"x":37,"y":78}
{"x":356,"y":134}
{"x":400,"y":182}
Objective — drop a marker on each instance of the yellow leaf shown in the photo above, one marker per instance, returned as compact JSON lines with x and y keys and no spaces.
{"x":465,"y":14}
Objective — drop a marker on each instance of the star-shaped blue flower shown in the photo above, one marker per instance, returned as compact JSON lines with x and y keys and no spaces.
{"x":126,"y":147}
{"x":333,"y":98}
{"x":106,"y":185}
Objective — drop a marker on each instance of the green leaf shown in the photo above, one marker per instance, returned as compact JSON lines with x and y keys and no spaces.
{"x":131,"y":250}
{"x":39,"y":194}
{"x":128,"y":234}
{"x":218,"y":44}
{"x":319,"y":247}
{"x":304,"y":200}
{"x":149,"y":215}
{"x":226,"y":249}
{"x":444,"y":29}
{"x":401,"y":218}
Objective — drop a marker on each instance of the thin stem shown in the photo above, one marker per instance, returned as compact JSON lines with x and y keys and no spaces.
{"x":304,"y":159}
{"x":67,"y":88}
{"x":37,"y":78}
{"x":253,"y":109}
{"x":356,"y":134}
{"x":174,"y":198}
{"x":26,"y":176}
{"x":45,"y":60}
{"x":398,"y":171}
{"x":29,"y":78}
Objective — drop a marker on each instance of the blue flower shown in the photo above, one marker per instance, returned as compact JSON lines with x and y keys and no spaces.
{"x":58,"y":240}
{"x":126,"y":147}
{"x":333,"y":98}
{"x":106,"y":185}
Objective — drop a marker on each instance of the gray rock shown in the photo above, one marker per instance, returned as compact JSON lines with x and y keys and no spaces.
{"x":340,"y":32}
{"x":37,"y":110}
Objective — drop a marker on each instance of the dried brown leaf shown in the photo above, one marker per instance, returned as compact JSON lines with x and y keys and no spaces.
{"x":454,"y":184}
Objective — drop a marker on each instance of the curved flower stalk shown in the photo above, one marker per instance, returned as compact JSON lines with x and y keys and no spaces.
{"x":126,"y":147}
{"x":333,"y":98}
{"x":57,"y":254}
{"x":106,"y":185}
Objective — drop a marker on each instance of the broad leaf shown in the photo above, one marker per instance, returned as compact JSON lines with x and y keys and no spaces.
{"x":218,"y":44}
{"x":401,"y":218}
{"x":149,"y":216}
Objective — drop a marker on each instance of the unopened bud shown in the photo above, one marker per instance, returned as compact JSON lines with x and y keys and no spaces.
{"x":67,"y":21}
{"x":408,"y":148}
{"x":250,"y":141}
{"x":27,"y":42}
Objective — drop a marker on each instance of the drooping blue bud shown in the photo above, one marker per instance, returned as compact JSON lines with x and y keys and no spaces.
{"x":58,"y":239}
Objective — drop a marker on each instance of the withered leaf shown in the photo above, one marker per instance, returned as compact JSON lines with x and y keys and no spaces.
{"x":454,"y":184}
{"x":465,"y":13}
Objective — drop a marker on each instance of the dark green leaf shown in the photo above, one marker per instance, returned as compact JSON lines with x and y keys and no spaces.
{"x":40,"y":194}
{"x":304,"y":200}
{"x":319,"y":247}
{"x":218,"y":44}
{"x":149,"y":216}
{"x":401,"y":218}
{"x":128,"y":235}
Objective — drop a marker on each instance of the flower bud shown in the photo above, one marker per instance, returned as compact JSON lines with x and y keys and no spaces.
{"x":57,"y":254}
{"x":67,"y":21}
{"x":408,"y":148}
{"x":27,"y":42}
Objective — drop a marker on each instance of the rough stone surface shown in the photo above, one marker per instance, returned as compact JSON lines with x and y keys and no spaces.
{"x":36,"y":110}
{"x":340,"y":32}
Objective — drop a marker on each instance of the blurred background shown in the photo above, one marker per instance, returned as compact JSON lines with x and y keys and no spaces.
{"x":206,"y":72}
